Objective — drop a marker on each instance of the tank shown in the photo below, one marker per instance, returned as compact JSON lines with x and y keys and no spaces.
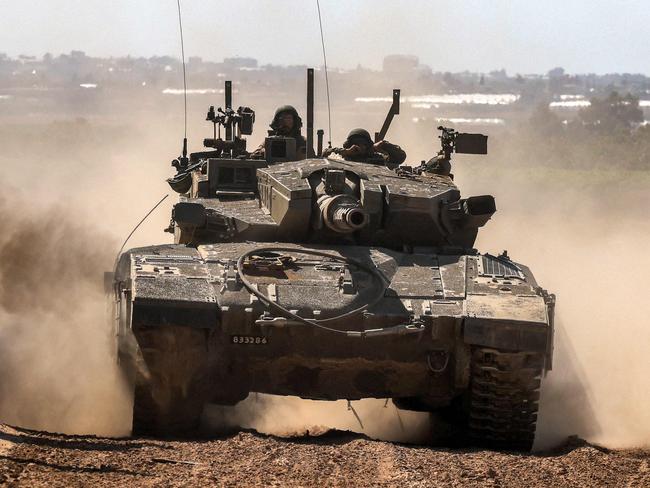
{"x":329,"y":279}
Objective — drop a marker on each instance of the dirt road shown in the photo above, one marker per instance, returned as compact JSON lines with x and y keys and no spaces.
{"x":29,"y":458}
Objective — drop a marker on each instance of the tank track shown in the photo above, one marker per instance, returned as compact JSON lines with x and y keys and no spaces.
{"x":169,"y":402}
{"x":504,"y":398}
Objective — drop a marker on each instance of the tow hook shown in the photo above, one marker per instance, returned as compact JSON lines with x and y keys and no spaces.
{"x":438,"y":360}
{"x":267,"y":319}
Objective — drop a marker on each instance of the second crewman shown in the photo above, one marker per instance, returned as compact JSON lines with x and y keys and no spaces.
{"x":359,"y":147}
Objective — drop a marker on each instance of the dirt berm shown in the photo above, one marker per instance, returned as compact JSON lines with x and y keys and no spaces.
{"x":334,"y":458}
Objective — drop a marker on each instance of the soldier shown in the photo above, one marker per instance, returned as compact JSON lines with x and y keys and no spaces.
{"x":359,"y":147}
{"x":286,"y":122}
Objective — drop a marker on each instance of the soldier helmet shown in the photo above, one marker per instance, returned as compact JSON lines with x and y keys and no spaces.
{"x":297,"y":121}
{"x":359,"y":135}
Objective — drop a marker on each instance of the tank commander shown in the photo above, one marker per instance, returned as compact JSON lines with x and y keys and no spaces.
{"x":287,"y":123}
{"x":359,"y":147}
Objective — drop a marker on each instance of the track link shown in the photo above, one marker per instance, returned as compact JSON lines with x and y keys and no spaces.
{"x":504,"y":398}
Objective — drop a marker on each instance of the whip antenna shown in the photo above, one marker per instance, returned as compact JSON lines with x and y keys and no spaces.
{"x":327,"y":83}
{"x":180,"y":26}
{"x":136,"y":228}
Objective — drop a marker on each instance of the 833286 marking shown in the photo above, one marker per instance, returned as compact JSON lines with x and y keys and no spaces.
{"x":249,"y":340}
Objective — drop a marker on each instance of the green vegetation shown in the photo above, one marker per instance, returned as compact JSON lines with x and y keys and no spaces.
{"x":608,"y":135}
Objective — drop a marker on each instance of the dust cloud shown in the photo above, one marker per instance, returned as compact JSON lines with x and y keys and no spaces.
{"x":74,"y":189}
{"x":584,"y":237}
{"x":295,"y":417}
{"x":57,"y":363}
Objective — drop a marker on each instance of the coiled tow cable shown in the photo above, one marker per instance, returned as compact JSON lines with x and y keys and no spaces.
{"x":287,"y":314}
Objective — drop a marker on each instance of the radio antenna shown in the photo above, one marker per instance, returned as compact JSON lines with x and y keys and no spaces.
{"x":180,"y":26}
{"x":327,"y":83}
{"x":136,"y":228}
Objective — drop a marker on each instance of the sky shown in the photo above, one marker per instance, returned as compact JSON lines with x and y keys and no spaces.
{"x":522,"y":36}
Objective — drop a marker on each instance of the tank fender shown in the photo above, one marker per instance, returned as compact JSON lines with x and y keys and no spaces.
{"x":171,"y":286}
{"x":511,"y":322}
{"x":503,"y":334}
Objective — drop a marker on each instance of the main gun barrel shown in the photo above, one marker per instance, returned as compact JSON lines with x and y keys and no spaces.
{"x":342,"y":213}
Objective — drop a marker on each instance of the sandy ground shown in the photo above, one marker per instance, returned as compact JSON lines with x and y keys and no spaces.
{"x":30,"y":458}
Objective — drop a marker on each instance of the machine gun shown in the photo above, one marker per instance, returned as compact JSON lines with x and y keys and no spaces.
{"x":452,"y":141}
{"x":235,"y":123}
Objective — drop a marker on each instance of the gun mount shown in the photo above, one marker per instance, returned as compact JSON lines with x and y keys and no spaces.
{"x":453,"y":142}
{"x":234,"y":123}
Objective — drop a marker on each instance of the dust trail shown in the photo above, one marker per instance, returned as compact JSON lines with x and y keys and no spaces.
{"x":78,"y":192}
{"x":292,"y":416}
{"x":585,"y":241}
{"x":57,"y":368}
{"x":606,"y":330}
